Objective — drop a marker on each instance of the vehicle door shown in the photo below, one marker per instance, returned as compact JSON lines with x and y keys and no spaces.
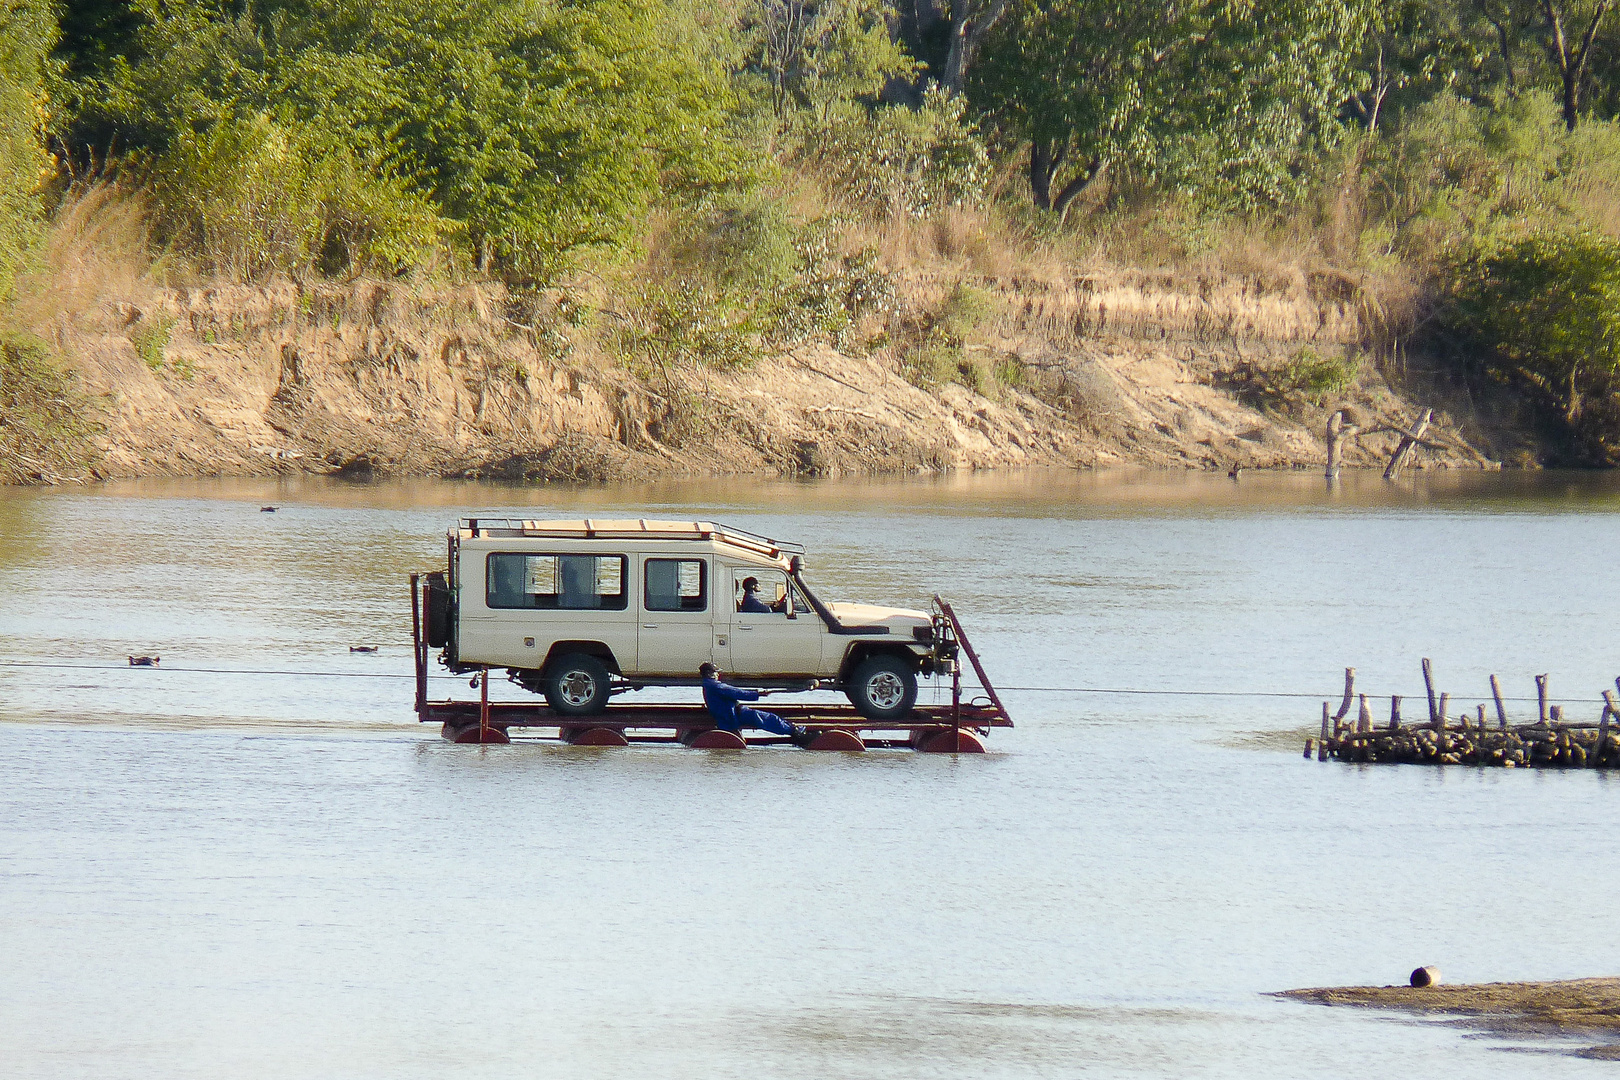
{"x":784,"y":641}
{"x":676,"y":629}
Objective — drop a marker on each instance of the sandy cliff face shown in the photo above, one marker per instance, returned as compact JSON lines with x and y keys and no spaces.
{"x":374,"y":376}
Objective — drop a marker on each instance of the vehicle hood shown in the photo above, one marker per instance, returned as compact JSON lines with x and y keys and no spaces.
{"x":898,"y":620}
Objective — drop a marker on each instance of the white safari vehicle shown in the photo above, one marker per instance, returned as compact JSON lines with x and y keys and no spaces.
{"x":581,"y":610}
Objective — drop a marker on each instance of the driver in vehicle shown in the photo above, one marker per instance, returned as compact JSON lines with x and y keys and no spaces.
{"x":752,"y":602}
{"x":725,"y":704}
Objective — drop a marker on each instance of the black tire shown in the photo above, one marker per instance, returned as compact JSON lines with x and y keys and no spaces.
{"x":882,"y":687}
{"x":576,"y":685}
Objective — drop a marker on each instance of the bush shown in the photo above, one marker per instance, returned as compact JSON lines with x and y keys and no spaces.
{"x":1542,"y":313}
{"x":742,"y":242}
{"x":688,"y":322}
{"x":539,"y":128}
{"x":249,"y":197}
{"x":1316,"y":378}
{"x":1461,"y":175}
{"x":896,"y":160}
{"x":150,"y":336}
{"x":782,"y":280}
{"x":26,"y":33}
{"x":941,"y":354}
{"x":45,"y":429}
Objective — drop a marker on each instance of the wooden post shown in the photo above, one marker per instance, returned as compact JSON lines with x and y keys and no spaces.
{"x":1440,"y":723}
{"x":418,"y":648}
{"x":1479,"y":739}
{"x":483,"y":702}
{"x":1408,"y":441}
{"x":1609,"y":708}
{"x":1501,"y":710}
{"x":1395,"y":712}
{"x":956,"y":694}
{"x":1337,"y":432}
{"x":1364,"y":717}
{"x":1321,"y":747}
{"x":1349,"y":693}
{"x":1428,"y":684}
{"x":1541,"y":698}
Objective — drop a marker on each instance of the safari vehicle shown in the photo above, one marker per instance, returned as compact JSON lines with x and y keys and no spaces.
{"x":581,"y":610}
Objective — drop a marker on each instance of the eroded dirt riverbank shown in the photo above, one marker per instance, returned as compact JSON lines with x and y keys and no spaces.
{"x":377,"y":377}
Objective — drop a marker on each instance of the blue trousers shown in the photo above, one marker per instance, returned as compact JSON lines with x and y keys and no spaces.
{"x":756,"y":718}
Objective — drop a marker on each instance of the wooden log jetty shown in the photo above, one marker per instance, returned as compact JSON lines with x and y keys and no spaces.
{"x":1552,"y":741}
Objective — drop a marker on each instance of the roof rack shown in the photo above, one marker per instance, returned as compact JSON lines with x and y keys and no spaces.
{"x":630,"y":529}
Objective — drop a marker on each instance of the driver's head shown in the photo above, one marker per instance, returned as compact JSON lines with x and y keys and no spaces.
{"x":751,"y":584}
{"x":708,"y":670}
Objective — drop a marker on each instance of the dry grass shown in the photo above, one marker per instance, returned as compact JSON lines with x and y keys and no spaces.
{"x":97,"y":252}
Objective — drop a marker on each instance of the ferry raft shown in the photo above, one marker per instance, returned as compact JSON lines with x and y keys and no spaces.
{"x":582,"y":612}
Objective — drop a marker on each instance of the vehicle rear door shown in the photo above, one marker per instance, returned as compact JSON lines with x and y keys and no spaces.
{"x":676,"y":627}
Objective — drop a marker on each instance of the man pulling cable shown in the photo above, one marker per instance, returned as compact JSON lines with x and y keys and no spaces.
{"x":725,"y":704}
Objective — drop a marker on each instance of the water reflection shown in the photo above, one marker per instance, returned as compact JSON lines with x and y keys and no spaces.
{"x":1026,"y":492}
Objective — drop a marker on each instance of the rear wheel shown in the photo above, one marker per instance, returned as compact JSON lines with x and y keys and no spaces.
{"x":882,"y":688}
{"x":576,"y":685}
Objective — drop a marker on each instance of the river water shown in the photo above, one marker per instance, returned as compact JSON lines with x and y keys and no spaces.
{"x":235,"y":871}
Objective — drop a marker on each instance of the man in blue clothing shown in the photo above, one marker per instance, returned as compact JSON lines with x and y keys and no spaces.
{"x":725,"y":704}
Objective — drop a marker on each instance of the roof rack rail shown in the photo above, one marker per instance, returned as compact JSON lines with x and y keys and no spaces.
{"x":635,"y":528}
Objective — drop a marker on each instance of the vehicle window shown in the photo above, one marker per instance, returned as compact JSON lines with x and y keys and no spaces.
{"x":575,"y":582}
{"x":771,"y":596}
{"x":677,"y":585}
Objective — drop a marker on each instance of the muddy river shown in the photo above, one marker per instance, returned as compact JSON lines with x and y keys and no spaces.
{"x":251,"y":862}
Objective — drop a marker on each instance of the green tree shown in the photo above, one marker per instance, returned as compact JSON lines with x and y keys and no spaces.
{"x":1549,"y":43}
{"x":1418,"y":49}
{"x":540,"y":127}
{"x":823,"y":54}
{"x":1571,"y":27}
{"x":1232,"y":97}
{"x":1543,"y":313}
{"x":27,"y":33}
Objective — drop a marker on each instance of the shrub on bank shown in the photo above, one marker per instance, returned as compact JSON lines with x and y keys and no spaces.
{"x":45,"y":425}
{"x":895,"y":160}
{"x":1542,"y":315}
{"x":26,"y":34}
{"x":249,"y":197}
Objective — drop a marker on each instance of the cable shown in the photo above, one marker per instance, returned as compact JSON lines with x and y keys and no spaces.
{"x":1237,"y":693}
{"x":221,"y":671}
{"x":1119,"y":691}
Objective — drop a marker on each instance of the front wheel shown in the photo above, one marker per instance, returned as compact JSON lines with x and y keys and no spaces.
{"x":882,"y":688}
{"x":576,"y":685}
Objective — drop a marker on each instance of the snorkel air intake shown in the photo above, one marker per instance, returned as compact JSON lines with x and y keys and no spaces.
{"x":795,"y":570}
